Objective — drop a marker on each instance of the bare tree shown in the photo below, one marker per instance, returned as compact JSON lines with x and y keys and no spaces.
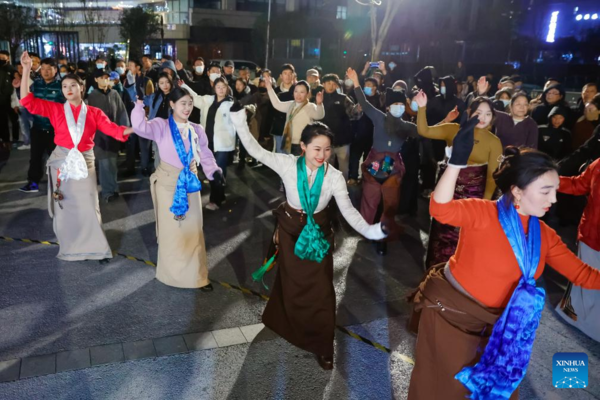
{"x":18,"y":23}
{"x":379,"y":32}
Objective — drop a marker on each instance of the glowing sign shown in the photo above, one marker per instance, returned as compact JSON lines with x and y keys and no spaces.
{"x":552,"y":27}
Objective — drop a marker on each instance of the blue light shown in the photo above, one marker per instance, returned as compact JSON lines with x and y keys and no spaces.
{"x":594,"y":16}
{"x":552,"y":27}
{"x":579,"y":17}
{"x":586,"y":16}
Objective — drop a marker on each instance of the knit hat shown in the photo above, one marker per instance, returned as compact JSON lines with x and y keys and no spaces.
{"x":394,"y":96}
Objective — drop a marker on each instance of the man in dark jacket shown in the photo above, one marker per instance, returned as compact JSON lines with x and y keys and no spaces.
{"x":338,"y":110}
{"x":553,"y":138}
{"x":106,"y":148}
{"x":285,"y":92}
{"x":553,"y":95}
{"x":42,"y":133}
{"x":228,"y":73}
{"x":440,"y":106}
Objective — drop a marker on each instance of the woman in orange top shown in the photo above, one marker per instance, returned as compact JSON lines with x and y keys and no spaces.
{"x":502,"y":249}
{"x":580,"y":306}
{"x":475,"y":180}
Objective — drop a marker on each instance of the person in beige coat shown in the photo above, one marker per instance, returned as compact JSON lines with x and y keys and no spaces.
{"x":299,"y":113}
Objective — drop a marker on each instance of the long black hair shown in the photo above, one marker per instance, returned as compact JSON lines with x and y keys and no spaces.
{"x":160,"y":92}
{"x":177,"y":93}
{"x":313,"y":130}
{"x":521,"y":166}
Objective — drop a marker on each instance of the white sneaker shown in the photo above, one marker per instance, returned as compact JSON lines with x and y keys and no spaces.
{"x":24,"y":147}
{"x":212,"y":206}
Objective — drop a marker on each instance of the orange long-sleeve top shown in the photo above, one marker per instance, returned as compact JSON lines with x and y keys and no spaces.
{"x":484,"y":263}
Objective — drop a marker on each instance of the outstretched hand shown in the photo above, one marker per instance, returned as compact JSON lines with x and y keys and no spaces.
{"x":26,"y":61}
{"x":452,"y":115}
{"x":482,"y":86}
{"x":128,"y":131}
{"x":421,"y":99}
{"x":178,"y":65}
{"x":353,"y":76}
{"x":319,"y":98}
{"x":268,"y":82}
{"x":463,"y":142}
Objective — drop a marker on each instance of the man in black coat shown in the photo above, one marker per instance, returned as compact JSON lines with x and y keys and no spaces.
{"x":338,"y":111}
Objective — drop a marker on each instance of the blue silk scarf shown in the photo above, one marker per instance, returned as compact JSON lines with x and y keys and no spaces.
{"x":505,"y":359}
{"x":187,"y":182}
{"x":311,"y":244}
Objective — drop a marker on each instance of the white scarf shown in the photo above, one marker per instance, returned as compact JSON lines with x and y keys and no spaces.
{"x":192,"y":136}
{"x":74,"y":166}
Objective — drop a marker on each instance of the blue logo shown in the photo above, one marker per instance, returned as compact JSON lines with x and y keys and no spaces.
{"x":570,"y":370}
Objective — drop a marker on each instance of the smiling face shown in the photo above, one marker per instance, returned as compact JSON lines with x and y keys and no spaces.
{"x":182,"y":108}
{"x":300,"y":94}
{"x":537,"y":198}
{"x":484,"y":113}
{"x":317,"y":151}
{"x":72,"y":90}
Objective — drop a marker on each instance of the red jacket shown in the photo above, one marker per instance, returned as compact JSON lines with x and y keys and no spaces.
{"x":588,"y":184}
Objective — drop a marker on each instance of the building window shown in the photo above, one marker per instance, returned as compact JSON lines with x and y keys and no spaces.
{"x":342,"y":11}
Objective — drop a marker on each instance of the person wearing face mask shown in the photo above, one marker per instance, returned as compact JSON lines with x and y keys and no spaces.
{"x":475,"y":180}
{"x":72,"y":187}
{"x":339,"y":109}
{"x":106,"y":148}
{"x":516,"y":128}
{"x":502,"y":99}
{"x":363,"y":140}
{"x":383,"y":168}
{"x":302,"y":304}
{"x":175,"y":190}
{"x":158,"y":108}
{"x":199,"y":82}
{"x":100,"y":65}
{"x":216,"y":120}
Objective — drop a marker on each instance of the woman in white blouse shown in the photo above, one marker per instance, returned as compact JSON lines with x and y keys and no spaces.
{"x":299,"y":113}
{"x":214,"y":113}
{"x":301,"y":307}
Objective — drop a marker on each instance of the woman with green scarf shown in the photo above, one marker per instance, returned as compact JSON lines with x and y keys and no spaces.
{"x":301,"y":308}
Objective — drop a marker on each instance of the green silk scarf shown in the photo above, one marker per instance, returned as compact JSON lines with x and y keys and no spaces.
{"x":311,"y":244}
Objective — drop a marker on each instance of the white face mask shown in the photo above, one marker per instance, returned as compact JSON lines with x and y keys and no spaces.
{"x":199,"y":69}
{"x":214,"y":76}
{"x":397,"y":110}
{"x":338,"y":90}
{"x":120,"y":70}
{"x":63,"y":74}
{"x":100,"y":65}
{"x":348,"y":82}
{"x":505,"y":102}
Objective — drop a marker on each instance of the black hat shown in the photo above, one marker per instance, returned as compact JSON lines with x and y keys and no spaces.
{"x":394,"y":96}
{"x":330,"y":77}
{"x":229,"y":63}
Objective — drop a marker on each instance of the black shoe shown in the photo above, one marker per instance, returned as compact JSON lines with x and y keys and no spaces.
{"x":381,"y":248}
{"x":207,"y":288}
{"x":31,"y":187}
{"x":325,"y":362}
{"x":111,"y":197}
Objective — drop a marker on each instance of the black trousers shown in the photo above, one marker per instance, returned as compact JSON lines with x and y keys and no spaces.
{"x":360,"y":147}
{"x":8,"y":114}
{"x":42,"y":143}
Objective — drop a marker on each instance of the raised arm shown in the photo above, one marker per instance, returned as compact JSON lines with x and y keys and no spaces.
{"x":369,"y":109}
{"x":316,"y":111}
{"x":277,"y":162}
{"x":351,"y":214}
{"x":147,"y":129}
{"x":440,"y":132}
{"x":281,"y":106}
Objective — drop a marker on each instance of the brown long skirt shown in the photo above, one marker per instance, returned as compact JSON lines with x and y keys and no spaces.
{"x":182,"y":258}
{"x":453,"y":330}
{"x":301,"y":308}
{"x":77,"y":224}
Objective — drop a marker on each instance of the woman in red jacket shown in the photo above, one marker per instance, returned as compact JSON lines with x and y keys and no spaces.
{"x":485,"y":297}
{"x":581,"y":307}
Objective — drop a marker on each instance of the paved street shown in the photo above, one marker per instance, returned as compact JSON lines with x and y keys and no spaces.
{"x":82,"y":330}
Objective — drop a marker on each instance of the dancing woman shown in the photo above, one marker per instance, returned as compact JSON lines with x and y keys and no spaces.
{"x":302,"y":304}
{"x":486,"y":297}
{"x":580,"y":306}
{"x":474,"y":181}
{"x":72,"y":192}
{"x":175,"y":189}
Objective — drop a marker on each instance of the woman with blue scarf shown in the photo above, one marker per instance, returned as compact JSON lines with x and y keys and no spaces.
{"x":175,"y":190}
{"x":477,"y":315}
{"x":301,"y":308}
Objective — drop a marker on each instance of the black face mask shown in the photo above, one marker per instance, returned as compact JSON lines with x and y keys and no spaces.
{"x":262,"y":90}
{"x":2,"y":63}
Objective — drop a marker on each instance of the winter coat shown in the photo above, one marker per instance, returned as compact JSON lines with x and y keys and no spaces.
{"x":439,"y":107}
{"x":556,"y":142}
{"x":111,"y":104}
{"x":338,"y":108}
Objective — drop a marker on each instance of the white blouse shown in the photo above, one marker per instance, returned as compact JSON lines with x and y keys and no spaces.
{"x":334,"y":183}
